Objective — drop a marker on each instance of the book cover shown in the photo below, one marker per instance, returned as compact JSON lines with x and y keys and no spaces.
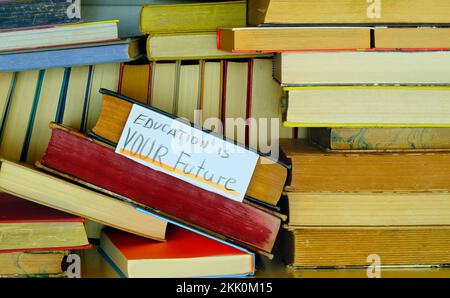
{"x":183,"y":254}
{"x":30,"y":13}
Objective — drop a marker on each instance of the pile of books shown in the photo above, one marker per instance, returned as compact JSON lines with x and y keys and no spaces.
{"x":370,"y":186}
{"x":209,"y":234}
{"x":101,"y":133}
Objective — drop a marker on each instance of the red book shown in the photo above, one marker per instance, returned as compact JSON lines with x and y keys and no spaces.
{"x":76,"y":155}
{"x":184,"y":254}
{"x":27,"y":226}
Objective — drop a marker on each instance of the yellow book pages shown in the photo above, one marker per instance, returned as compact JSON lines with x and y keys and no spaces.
{"x":236,"y":100}
{"x":368,"y":106}
{"x":188,"y":92}
{"x":364,"y":208}
{"x":135,"y":81}
{"x":45,"y":113}
{"x":76,"y":97}
{"x":393,"y":246}
{"x":18,"y":116}
{"x":103,"y":76}
{"x":28,"y":263}
{"x":211,"y":94}
{"x":193,"y":17}
{"x":410,"y":38}
{"x":265,"y":107}
{"x":347,"y":11}
{"x":6,"y":85}
{"x":163,"y":86}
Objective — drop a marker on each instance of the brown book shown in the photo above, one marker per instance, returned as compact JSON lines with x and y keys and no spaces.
{"x":372,"y":139}
{"x":268,"y":178}
{"x":315,"y":170}
{"x":276,"y":39}
{"x":391,"y":246}
{"x":347,"y":12}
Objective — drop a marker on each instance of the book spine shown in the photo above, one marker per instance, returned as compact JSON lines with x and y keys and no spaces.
{"x":64,"y":58}
{"x":19,"y":14}
{"x":84,"y":159}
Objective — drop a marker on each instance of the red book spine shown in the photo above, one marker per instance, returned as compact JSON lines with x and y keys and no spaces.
{"x":100,"y":165}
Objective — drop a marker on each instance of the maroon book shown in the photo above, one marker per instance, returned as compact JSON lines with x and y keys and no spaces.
{"x":76,"y":155}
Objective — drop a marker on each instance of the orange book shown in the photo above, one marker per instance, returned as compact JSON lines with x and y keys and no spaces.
{"x":135,"y":81}
{"x":184,"y":254}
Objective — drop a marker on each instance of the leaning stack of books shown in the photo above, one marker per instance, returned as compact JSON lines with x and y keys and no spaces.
{"x":372,"y":182}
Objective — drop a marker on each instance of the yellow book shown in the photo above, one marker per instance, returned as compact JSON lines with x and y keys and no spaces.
{"x":103,"y":76}
{"x":188,"y":92}
{"x":76,"y":95}
{"x":368,"y":106}
{"x":135,"y":81}
{"x":7,"y":82}
{"x":193,"y":17}
{"x":347,"y":11}
{"x":18,"y":115}
{"x":163,"y":86}
{"x":45,"y":113}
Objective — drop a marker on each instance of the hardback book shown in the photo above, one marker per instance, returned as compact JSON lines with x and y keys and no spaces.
{"x":135,"y":81}
{"x":192,"y":17}
{"x":67,"y":56}
{"x":368,"y":106}
{"x":164,"y":84}
{"x":264,"y":104}
{"x":362,"y":68}
{"x":411,"y":247}
{"x":316,"y":170}
{"x":187,"y":99}
{"x":18,"y":103}
{"x":183,"y":254}
{"x":347,"y":12}
{"x":268,"y":178}
{"x":33,"y":263}
{"x":46,"y":101}
{"x":412,"y":38}
{"x":327,"y":209}
{"x":30,"y":13}
{"x":211,"y":93}
{"x":63,"y":195}
{"x":279,"y":39}
{"x":102,"y":76}
{"x":381,"y":138}
{"x":127,"y":12}
{"x":29,"y":226}
{"x":60,"y":35}
{"x":157,"y":191}
{"x":188,"y":46}
{"x":234,"y":99}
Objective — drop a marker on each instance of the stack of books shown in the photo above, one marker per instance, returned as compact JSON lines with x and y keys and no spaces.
{"x":37,"y":240}
{"x":371,"y":81}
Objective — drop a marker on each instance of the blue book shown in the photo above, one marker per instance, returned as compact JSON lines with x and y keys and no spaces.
{"x":30,"y":13}
{"x":121,"y":51}
{"x":127,"y":12}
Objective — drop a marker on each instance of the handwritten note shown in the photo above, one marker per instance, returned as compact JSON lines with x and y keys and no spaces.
{"x":175,"y":148}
